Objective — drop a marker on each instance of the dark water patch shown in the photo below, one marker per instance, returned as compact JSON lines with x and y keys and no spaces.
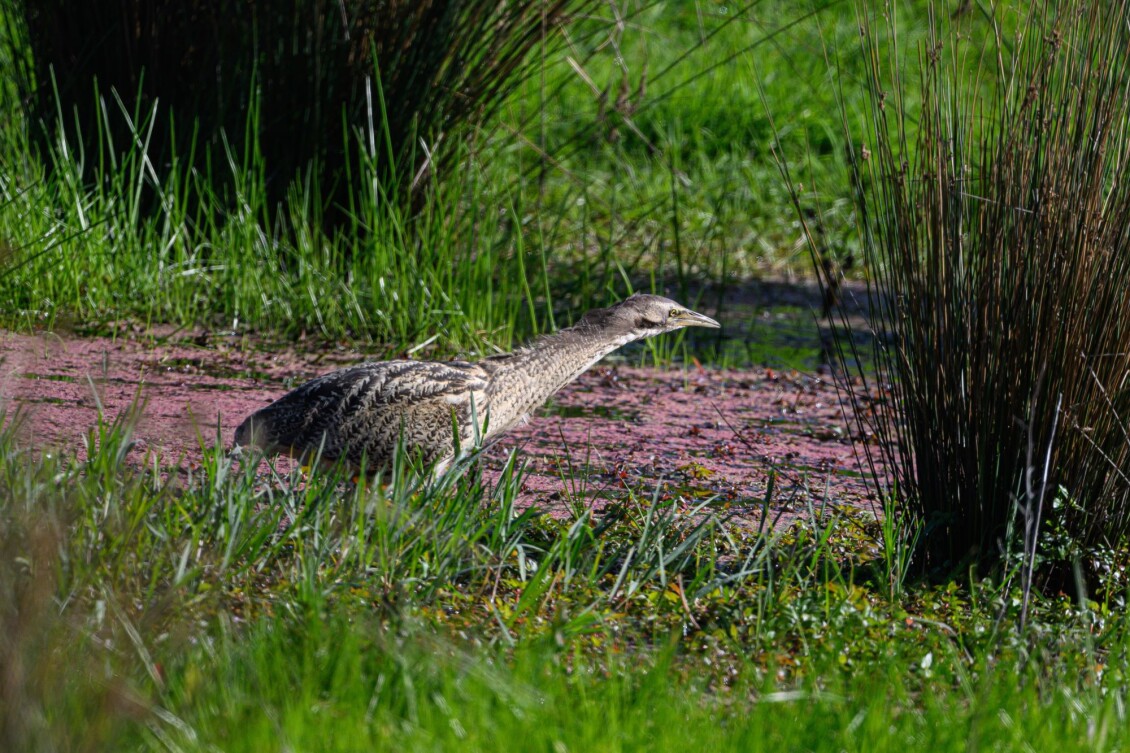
{"x":786,"y":426}
{"x":781,"y":337}
{"x":829,"y":470}
{"x":50,"y":377}
{"x":772,"y":354}
{"x":785,"y":337}
{"x":216,"y":387}
{"x":209,"y":365}
{"x":829,"y":433}
{"x":610,"y":412}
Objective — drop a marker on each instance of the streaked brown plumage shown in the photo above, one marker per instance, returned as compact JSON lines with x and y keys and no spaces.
{"x":362,"y":412}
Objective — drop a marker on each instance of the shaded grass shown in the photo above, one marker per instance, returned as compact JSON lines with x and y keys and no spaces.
{"x":434,"y":71}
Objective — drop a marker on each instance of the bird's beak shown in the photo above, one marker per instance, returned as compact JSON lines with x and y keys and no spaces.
{"x":688,"y":318}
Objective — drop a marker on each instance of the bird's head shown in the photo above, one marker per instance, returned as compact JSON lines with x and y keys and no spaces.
{"x":643,"y":315}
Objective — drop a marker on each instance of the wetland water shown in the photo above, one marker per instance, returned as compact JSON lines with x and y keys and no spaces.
{"x":701,"y":434}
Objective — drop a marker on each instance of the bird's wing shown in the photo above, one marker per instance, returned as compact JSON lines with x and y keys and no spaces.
{"x":402,"y":382}
{"x":365,"y":409}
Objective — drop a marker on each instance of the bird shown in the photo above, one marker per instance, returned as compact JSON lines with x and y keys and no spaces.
{"x":359,"y":414}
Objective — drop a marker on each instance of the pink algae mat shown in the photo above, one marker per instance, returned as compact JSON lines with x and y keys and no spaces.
{"x":694,"y":434}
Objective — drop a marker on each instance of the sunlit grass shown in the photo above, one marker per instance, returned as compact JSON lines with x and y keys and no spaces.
{"x":213,"y":606}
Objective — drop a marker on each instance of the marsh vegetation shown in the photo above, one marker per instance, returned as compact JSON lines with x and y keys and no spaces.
{"x":951,"y":173}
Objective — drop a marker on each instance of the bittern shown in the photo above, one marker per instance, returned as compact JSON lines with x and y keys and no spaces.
{"x":360,"y":414}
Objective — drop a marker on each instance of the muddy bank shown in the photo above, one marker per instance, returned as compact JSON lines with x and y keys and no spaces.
{"x":702,"y":433}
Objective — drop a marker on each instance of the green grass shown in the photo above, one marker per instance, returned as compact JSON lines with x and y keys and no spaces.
{"x":206,"y":608}
{"x":202,"y":608}
{"x":339,"y":690}
{"x":562,"y":200}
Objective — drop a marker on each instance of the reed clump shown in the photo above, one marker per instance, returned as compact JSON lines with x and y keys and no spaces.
{"x":995,"y":212}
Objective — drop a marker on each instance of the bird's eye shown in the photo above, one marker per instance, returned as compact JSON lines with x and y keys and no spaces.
{"x":674,"y":313}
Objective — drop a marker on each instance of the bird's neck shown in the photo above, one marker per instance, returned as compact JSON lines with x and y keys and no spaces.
{"x":528,"y":377}
{"x":557,"y":359}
